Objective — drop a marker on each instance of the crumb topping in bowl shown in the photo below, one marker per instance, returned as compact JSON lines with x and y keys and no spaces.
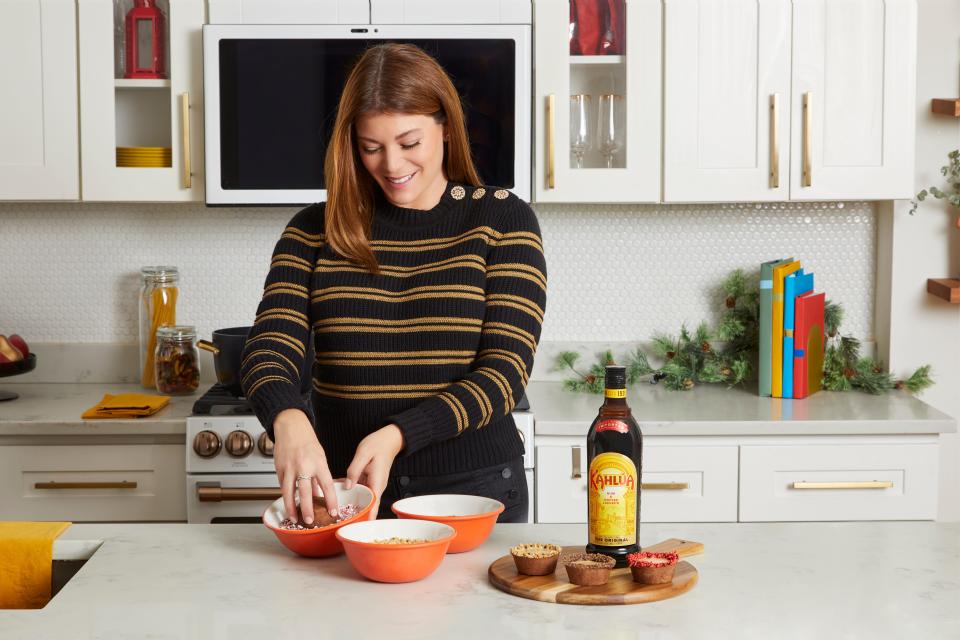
{"x":535,"y":550}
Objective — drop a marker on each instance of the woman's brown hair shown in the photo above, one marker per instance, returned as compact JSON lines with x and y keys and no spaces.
{"x":388,"y":78}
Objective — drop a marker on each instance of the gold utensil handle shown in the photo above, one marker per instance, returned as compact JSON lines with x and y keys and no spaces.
{"x":871,"y":484}
{"x":807,"y":178}
{"x":85,"y":485}
{"x":551,"y":175}
{"x":206,"y":345}
{"x":236,"y":494}
{"x":575,"y":472}
{"x":664,"y":486}
{"x":774,"y":141}
{"x":185,"y":130}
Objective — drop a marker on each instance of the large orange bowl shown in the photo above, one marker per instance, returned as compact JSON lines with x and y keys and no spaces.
{"x":322,"y":541}
{"x":386,"y":562}
{"x":473,"y":517}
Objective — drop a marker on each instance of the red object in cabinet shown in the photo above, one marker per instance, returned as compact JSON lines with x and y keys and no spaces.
{"x":145,"y":41}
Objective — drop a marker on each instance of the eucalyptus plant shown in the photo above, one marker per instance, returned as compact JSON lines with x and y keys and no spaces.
{"x":951,"y":172}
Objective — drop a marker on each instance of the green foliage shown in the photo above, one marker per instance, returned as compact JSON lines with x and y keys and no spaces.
{"x":832,"y":317}
{"x":919,"y":381}
{"x":950,"y":171}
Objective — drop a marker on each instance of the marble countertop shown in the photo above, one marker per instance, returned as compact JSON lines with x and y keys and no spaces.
{"x":55,"y":409}
{"x":807,"y":580}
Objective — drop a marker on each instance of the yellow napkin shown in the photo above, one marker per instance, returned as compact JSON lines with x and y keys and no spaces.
{"x":26,"y":557}
{"x":126,"y":405}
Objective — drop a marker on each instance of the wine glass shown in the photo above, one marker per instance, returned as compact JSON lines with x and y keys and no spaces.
{"x":610,"y":128}
{"x":579,"y":126}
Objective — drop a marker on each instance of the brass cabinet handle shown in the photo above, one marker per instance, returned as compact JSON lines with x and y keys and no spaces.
{"x":575,"y":472}
{"x":219,"y":494}
{"x":774,"y":141}
{"x":807,"y":178}
{"x":185,"y":130}
{"x":85,"y":485}
{"x":664,"y":486}
{"x":551,"y":176}
{"x":871,"y":484}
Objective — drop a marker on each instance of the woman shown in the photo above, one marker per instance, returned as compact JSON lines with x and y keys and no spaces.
{"x":423,"y":293}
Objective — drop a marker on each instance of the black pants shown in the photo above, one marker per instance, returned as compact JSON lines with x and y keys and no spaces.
{"x":504,"y":482}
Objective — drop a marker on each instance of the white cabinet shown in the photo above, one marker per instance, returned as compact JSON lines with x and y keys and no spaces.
{"x":726,"y":100}
{"x":622,"y":166}
{"x":38,"y":114}
{"x":118,"y":483}
{"x":781,"y":100}
{"x":854,"y":88}
{"x":838,"y":482}
{"x":678,"y":484}
{"x":141,"y":113}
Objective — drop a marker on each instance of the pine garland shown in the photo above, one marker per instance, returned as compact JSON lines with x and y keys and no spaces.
{"x":689,"y":359}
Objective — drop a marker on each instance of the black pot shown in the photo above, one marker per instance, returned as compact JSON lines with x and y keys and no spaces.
{"x":227,"y":349}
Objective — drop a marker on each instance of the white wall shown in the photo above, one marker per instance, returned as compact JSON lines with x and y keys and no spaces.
{"x":913,"y":327}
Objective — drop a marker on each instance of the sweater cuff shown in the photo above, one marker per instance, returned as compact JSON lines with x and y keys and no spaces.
{"x":274,"y":397}
{"x":417,"y":426}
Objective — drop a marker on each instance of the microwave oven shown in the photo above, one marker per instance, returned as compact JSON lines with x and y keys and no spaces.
{"x":271,"y":93}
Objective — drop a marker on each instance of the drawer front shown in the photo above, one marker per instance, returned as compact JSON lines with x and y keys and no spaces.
{"x":838,"y":482}
{"x":679,"y":484}
{"x":118,"y":483}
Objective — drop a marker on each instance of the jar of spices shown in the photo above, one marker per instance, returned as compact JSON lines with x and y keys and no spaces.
{"x":159,"y":287}
{"x":177,"y":359}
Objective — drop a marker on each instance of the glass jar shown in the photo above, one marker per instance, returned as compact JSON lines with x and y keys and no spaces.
{"x":177,"y":360}
{"x":158,"y":307}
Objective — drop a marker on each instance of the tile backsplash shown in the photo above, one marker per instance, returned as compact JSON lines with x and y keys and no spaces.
{"x":70,"y":272}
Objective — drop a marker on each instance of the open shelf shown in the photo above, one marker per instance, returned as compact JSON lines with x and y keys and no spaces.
{"x":946,"y":107}
{"x":132,"y":83}
{"x":597,"y":59}
{"x":945,"y":288}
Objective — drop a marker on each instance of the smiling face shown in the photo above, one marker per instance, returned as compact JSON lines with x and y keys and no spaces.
{"x":404,"y":154}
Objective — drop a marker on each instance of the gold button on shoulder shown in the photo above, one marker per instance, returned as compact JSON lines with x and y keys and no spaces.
{"x":458,"y":192}
{"x":501,"y":194}
{"x":479,"y":193}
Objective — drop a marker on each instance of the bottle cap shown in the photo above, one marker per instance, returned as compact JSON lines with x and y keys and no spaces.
{"x":615,"y":377}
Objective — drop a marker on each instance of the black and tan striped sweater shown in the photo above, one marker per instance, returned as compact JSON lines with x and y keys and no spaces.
{"x":440,"y":342}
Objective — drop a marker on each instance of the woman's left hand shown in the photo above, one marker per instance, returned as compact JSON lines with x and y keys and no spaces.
{"x":373,"y":459}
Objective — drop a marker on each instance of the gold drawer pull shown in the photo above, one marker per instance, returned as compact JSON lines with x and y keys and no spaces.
{"x":664,"y":486}
{"x":806,"y":178}
{"x":85,"y":485}
{"x":551,"y":174}
{"x":870,"y":484}
{"x":219,"y":494}
{"x":185,"y":131}
{"x":774,"y":142}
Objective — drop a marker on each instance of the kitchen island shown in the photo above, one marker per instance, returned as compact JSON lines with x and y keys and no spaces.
{"x":778,"y":580}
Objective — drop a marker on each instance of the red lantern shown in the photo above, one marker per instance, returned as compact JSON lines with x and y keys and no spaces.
{"x":145,"y":38}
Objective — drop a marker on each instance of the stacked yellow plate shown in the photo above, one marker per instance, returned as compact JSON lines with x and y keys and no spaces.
{"x":144,"y":157}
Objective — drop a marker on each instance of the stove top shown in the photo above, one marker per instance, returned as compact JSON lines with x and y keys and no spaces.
{"x":217,"y":401}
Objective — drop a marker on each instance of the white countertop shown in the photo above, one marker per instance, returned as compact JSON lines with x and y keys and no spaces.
{"x":810,"y":580}
{"x":715,"y":410}
{"x":55,"y":409}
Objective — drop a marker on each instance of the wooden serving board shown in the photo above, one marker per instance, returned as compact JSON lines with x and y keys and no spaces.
{"x":621,"y":589}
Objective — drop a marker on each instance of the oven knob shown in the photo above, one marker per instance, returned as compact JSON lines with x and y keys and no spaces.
{"x":265,"y":445}
{"x":239,"y":444}
{"x":206,"y":444}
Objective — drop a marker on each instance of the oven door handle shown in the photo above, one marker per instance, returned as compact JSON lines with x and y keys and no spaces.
{"x":216,"y":493}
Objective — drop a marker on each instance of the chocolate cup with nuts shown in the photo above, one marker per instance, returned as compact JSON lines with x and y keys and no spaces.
{"x":535,"y":559}
{"x":588,"y":569}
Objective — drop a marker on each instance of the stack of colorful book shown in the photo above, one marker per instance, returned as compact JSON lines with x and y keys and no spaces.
{"x":792,"y":340}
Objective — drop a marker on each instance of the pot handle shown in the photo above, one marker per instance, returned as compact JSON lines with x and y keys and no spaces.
{"x":206,"y":345}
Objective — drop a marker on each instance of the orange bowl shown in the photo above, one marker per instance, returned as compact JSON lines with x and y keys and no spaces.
{"x":322,"y":541}
{"x":473,"y":517}
{"x":386,"y":562}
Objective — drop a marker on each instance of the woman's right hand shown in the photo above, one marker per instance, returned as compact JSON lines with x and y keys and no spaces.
{"x":297,"y":452}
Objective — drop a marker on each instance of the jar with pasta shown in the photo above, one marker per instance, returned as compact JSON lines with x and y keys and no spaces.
{"x":177,"y":360}
{"x":159,"y":287}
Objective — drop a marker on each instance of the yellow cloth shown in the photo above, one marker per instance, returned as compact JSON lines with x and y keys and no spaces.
{"x":126,"y":405}
{"x":26,"y":558}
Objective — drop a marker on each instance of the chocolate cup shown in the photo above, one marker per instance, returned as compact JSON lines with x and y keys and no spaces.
{"x":536,"y":566}
{"x":653,"y":575}
{"x":589,"y":575}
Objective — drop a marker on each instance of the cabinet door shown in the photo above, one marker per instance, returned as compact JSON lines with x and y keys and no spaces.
{"x":618,"y":163}
{"x":727,"y":97}
{"x":118,"y":112}
{"x":38,"y":115}
{"x":854,"y":87}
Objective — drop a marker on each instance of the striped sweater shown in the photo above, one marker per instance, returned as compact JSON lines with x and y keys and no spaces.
{"x":440,"y":342}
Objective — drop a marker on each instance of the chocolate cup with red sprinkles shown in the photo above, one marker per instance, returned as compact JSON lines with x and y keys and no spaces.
{"x":652,"y":568}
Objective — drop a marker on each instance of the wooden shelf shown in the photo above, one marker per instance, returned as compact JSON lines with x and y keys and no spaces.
{"x":946,"y":288}
{"x":946,"y":107}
